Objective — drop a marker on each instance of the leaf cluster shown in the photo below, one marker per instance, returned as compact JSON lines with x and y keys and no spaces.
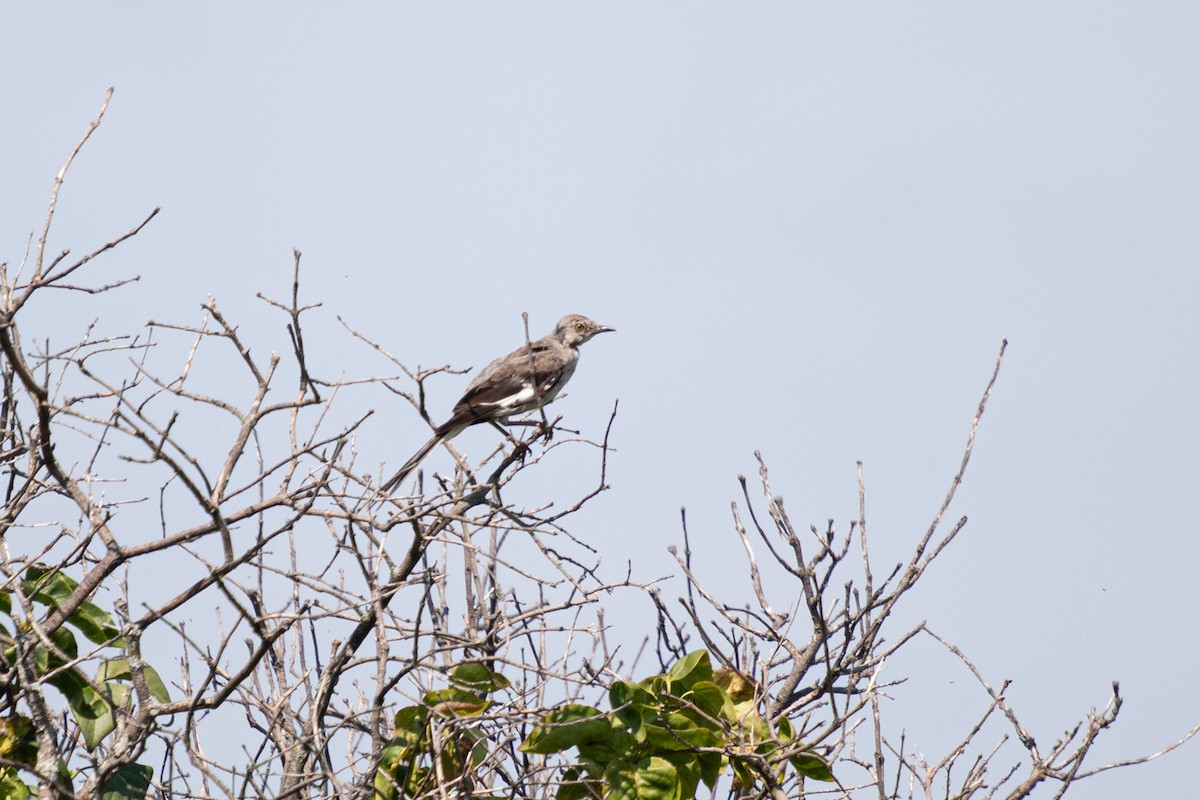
{"x":668,"y":733}
{"x":32,"y":654}
{"x":431,"y":746}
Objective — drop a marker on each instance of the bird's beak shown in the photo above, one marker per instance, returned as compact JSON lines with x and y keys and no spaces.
{"x":605,"y":329}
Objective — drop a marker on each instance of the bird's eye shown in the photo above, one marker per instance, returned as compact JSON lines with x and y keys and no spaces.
{"x":579,"y":327}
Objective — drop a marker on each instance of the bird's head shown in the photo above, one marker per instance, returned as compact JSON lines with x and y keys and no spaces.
{"x":575,"y":329}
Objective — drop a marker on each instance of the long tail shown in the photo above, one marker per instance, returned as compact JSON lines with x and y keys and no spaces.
{"x":412,"y":463}
{"x":444,"y":432}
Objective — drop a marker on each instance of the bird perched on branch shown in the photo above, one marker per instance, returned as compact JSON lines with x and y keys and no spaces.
{"x":527,"y":378}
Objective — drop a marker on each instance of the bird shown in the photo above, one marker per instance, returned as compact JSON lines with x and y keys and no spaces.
{"x":526,"y":379}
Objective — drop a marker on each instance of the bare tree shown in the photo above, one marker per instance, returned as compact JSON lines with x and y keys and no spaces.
{"x":205,"y":594}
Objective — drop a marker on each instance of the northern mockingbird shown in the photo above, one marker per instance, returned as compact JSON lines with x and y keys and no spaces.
{"x":527,"y":378}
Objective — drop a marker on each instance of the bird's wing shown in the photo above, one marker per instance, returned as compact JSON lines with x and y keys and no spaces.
{"x":514,"y":383}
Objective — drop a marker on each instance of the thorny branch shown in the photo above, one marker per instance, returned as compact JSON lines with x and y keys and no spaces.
{"x":822,"y":661}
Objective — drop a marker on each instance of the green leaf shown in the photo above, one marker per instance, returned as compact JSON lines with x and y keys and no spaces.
{"x":687,"y":766}
{"x":741,"y":688}
{"x":127,"y":782}
{"x":114,"y":669}
{"x":711,"y":766}
{"x":154,"y":682}
{"x":12,"y":787}
{"x":385,"y":788}
{"x":96,"y":624}
{"x":621,"y":745}
{"x":457,"y":743}
{"x":620,"y":693}
{"x":410,"y":723}
{"x":94,"y":715}
{"x":6,"y":603}
{"x":117,"y":669}
{"x":675,"y":731}
{"x":743,"y":776}
{"x":399,"y":775}
{"x":619,"y":780}
{"x":632,"y":704}
{"x":456,"y":702}
{"x":754,"y":727}
{"x":54,"y":588}
{"x":388,"y":778}
{"x":573,"y":786}
{"x":681,"y":725}
{"x":662,"y":739}
{"x":479,"y":751}
{"x":91,"y":711}
{"x":18,"y":743}
{"x":46,"y":586}
{"x":478,"y":677}
{"x":784,"y":730}
{"x":695,"y":666}
{"x":812,"y":766}
{"x":656,"y":779}
{"x":121,"y":693}
{"x":709,"y":699}
{"x":568,"y":726}
{"x":64,"y":640}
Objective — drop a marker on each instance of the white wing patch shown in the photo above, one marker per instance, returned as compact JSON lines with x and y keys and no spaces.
{"x":524,"y":396}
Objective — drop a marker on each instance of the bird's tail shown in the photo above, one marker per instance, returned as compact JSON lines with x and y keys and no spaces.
{"x":412,"y":463}
{"x":444,"y":433}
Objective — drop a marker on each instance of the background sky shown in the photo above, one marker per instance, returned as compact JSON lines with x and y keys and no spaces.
{"x":812,"y":226}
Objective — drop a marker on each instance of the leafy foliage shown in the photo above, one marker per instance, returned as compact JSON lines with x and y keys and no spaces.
{"x":667,"y":734}
{"x":431,"y":747}
{"x":94,"y":701}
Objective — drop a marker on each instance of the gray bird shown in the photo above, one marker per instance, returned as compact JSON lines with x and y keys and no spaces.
{"x":527,"y":378}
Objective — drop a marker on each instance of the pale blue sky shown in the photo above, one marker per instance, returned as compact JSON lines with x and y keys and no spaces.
{"x":811,"y":224}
